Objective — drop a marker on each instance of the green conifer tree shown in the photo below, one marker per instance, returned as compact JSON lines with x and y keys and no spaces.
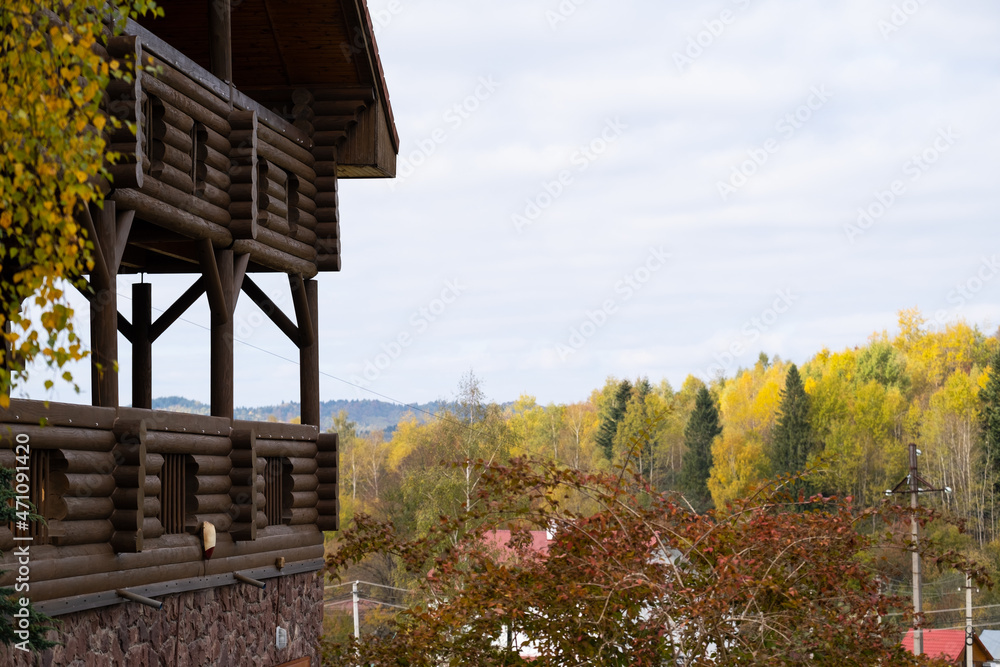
{"x":613,"y":414}
{"x":990,"y":420}
{"x":793,"y":434}
{"x":701,"y":430}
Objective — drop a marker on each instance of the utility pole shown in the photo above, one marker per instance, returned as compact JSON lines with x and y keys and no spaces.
{"x":914,"y":485}
{"x":969,"y":632}
{"x":357,"y":618}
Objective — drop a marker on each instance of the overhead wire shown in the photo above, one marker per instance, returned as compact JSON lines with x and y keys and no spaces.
{"x":329,"y":375}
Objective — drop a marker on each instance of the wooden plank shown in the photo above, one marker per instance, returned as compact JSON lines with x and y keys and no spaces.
{"x":165,"y":442}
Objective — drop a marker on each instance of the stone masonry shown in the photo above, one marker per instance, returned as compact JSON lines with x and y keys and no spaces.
{"x":230,"y":626}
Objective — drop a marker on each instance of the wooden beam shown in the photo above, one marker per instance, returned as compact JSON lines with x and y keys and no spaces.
{"x":221,"y":39}
{"x":170,"y":315}
{"x":123,"y":227}
{"x":240,"y":263}
{"x":270,"y":309}
{"x":99,"y":274}
{"x":212,"y":273}
{"x":125,"y":327}
{"x":142,"y":345}
{"x":221,"y":334}
{"x":302,"y":315}
{"x":309,"y":357}
{"x":104,"y":313}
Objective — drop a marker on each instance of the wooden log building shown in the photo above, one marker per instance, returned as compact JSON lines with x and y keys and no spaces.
{"x":247,"y":115}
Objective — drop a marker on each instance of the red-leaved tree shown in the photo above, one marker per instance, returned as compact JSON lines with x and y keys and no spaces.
{"x":640,"y":580}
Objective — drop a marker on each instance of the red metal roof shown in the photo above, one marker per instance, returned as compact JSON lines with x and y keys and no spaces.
{"x":500,"y":538}
{"x":947,"y":644}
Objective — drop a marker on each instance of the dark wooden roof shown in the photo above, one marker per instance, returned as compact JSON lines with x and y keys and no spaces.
{"x":279,"y":46}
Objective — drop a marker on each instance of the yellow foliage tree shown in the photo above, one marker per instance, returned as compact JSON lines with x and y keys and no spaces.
{"x":748,"y":407}
{"x":52,"y":81}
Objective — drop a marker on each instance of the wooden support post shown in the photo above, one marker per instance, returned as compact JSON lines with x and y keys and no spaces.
{"x":104,"y":308}
{"x":220,"y":31}
{"x":222,"y":335}
{"x":142,"y":346}
{"x":309,"y":359}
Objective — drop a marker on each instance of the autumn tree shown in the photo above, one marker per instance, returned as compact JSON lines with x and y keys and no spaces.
{"x":53,"y":76}
{"x":641,"y":581}
{"x":701,"y":430}
{"x":793,"y":436}
{"x":634,"y":441}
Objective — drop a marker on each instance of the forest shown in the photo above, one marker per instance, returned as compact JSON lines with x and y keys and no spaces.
{"x":845,"y":417}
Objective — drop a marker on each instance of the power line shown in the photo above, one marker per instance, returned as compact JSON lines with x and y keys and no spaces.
{"x":329,"y":375}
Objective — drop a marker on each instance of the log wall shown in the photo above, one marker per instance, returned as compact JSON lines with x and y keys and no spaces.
{"x":105,"y":495}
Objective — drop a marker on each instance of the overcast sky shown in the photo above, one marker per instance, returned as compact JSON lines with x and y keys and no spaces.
{"x":626,"y":187}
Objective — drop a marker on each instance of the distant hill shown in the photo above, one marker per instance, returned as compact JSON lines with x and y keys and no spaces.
{"x":369,"y":415}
